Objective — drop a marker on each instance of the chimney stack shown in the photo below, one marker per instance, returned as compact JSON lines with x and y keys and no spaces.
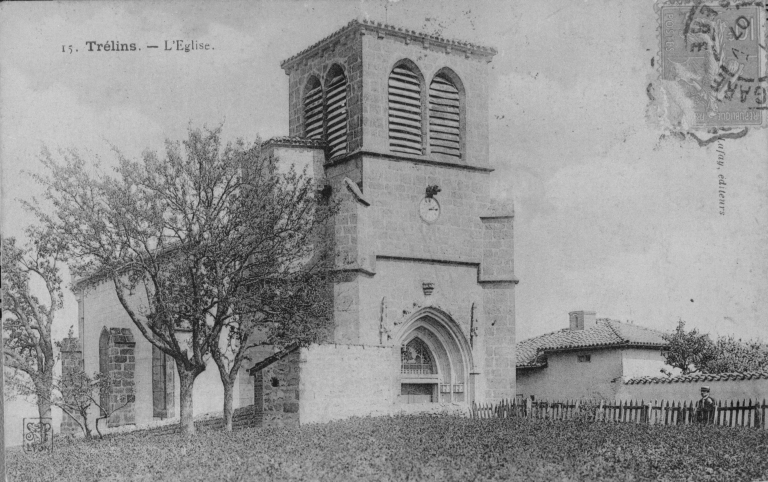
{"x":582,"y":320}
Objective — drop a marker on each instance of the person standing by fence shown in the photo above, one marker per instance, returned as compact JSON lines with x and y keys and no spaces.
{"x":705,"y":408}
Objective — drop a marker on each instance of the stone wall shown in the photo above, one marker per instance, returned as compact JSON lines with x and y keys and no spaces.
{"x":276,"y":393}
{"x":71,"y":362}
{"x":100,"y":308}
{"x":728,"y":386}
{"x":345,"y":51}
{"x":340,"y":381}
{"x":121,"y":367}
{"x":381,"y":51}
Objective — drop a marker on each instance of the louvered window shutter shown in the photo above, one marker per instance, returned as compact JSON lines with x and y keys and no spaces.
{"x":444,"y":117}
{"x":336,"y":108}
{"x":404,"y":111}
{"x":313,"y":112}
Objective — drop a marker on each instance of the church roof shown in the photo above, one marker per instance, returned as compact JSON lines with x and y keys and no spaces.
{"x":531,"y":353}
{"x":380,"y":28}
{"x":700,"y":377}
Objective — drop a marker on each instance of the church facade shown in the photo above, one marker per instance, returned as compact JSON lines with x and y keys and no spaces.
{"x":395,"y":122}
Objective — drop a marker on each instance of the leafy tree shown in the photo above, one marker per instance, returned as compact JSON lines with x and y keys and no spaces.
{"x":27,"y":319}
{"x":189,"y":235}
{"x":694,"y":352}
{"x":735,"y":355}
{"x":688,"y":351}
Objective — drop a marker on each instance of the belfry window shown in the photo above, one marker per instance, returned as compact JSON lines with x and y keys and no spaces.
{"x":313,"y":110}
{"x":404,"y":95}
{"x":444,"y":117}
{"x":416,"y":359}
{"x":336,"y":112}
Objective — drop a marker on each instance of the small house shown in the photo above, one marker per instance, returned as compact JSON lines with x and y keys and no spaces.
{"x":589,"y":359}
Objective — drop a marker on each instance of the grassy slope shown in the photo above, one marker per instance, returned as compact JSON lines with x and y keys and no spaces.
{"x":414,"y":448}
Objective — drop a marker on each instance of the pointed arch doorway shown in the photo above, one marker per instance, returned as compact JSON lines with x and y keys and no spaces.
{"x":435,"y":360}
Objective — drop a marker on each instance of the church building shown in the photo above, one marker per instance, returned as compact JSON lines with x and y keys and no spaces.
{"x":396,"y":123}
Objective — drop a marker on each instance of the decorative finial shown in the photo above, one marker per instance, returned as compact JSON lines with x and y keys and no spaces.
{"x":433,"y":190}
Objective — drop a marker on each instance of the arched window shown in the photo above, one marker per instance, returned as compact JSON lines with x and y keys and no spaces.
{"x":313,"y":110}
{"x":404,"y":95}
{"x":336,"y":112}
{"x":444,"y":117}
{"x":416,"y":359}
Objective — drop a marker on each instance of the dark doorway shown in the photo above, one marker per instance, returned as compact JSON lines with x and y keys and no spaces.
{"x":417,"y":392}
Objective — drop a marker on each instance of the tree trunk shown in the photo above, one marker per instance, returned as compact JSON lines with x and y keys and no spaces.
{"x":186,"y":414}
{"x":43,"y":402}
{"x":228,"y":389}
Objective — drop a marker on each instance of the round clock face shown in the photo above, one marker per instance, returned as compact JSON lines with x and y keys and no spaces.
{"x":429,"y":209}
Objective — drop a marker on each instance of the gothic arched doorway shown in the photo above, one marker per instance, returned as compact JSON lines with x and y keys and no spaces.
{"x":435,"y":359}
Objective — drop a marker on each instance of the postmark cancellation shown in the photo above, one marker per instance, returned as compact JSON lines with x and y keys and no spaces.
{"x":711,"y":67}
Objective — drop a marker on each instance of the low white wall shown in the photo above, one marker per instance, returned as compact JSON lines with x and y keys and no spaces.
{"x":691,"y":390}
{"x":340,"y":381}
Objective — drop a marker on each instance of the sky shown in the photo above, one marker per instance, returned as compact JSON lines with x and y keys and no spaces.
{"x":611,"y":213}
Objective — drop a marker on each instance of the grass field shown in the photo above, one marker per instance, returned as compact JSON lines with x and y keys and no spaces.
{"x":413,"y":448}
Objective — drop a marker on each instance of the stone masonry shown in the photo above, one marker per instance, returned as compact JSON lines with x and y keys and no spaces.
{"x":121,"y":365}
{"x":276,"y":393}
{"x":71,"y":362}
{"x":385,"y":252}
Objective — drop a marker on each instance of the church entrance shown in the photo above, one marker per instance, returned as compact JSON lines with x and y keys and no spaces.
{"x":434,"y":360}
{"x":417,"y":365}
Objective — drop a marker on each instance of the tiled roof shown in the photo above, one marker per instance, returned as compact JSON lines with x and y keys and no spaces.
{"x":608,"y":333}
{"x":700,"y":377}
{"x":392,"y":30}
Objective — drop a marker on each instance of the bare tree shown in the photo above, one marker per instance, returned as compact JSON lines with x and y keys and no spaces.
{"x":27,"y":319}
{"x":184,"y":232}
{"x":75,"y":392}
{"x":283,"y":310}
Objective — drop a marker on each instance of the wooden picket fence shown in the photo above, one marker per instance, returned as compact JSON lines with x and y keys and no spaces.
{"x":730,"y":413}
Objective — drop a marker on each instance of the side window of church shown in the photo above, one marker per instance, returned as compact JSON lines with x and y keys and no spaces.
{"x":162,"y":384}
{"x":444,"y":117}
{"x":103,"y":368}
{"x":336,"y":112}
{"x":313,"y":110}
{"x":404,"y":100}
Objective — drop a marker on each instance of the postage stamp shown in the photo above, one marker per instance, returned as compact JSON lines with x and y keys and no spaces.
{"x":712,"y":66}
{"x":38,"y":435}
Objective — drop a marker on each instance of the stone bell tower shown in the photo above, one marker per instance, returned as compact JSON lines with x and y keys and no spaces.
{"x":424,"y":255}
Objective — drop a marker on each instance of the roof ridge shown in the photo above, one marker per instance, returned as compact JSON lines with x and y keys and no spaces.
{"x":615,"y":331}
{"x":698,"y":377}
{"x":392,"y":29}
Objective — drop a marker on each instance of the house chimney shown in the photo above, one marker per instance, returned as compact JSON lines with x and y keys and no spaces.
{"x":582,"y":320}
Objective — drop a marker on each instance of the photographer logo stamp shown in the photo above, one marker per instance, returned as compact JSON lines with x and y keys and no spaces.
{"x":38,"y":435}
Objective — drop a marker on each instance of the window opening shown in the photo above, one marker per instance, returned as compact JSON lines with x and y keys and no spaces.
{"x":313,"y":110}
{"x":404,"y":89}
{"x":416,"y":359}
{"x":336,"y":110}
{"x":444,"y":117}
{"x":162,"y":384}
